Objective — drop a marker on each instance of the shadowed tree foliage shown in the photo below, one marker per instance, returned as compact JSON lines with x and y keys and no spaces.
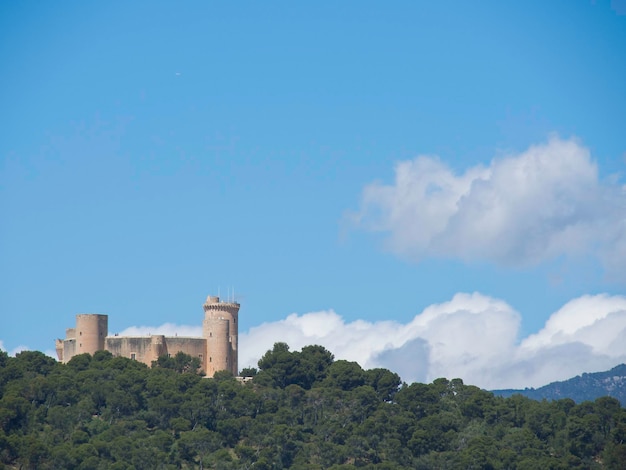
{"x":248,"y":372}
{"x":305,"y":368}
{"x":301,"y":410}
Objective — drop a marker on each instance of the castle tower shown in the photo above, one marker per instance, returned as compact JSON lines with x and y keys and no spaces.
{"x":220,"y":330}
{"x":91,"y":330}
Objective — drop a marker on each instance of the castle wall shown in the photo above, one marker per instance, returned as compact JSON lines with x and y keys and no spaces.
{"x":67,"y":348}
{"x":148,"y":348}
{"x":58,"y":346}
{"x":138,"y":348}
{"x":195,"y":347}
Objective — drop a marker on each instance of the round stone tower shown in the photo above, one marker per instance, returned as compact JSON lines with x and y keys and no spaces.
{"x":220,"y":330}
{"x":91,"y":330}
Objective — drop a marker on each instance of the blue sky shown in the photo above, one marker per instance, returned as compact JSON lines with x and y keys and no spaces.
{"x":362,"y":162}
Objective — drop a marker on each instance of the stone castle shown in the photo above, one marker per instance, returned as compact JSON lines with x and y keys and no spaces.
{"x":216,"y":349}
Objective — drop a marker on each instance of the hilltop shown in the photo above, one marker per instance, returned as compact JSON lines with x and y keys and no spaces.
{"x":301,"y":409}
{"x":585,"y":387}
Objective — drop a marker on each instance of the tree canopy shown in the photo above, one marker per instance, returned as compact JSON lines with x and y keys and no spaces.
{"x":301,"y":409}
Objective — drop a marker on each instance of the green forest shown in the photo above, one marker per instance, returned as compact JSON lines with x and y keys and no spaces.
{"x":299,"y":409}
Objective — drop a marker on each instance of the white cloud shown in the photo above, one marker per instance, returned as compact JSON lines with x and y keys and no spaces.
{"x":472,"y":336}
{"x":2,"y":348}
{"x":592,"y":320}
{"x":358,"y":341}
{"x":521,"y":209}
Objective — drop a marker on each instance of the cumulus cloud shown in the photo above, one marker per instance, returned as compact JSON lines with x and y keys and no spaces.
{"x":593,"y":320}
{"x":472,"y":336}
{"x":521,"y":209}
{"x":356,"y":341}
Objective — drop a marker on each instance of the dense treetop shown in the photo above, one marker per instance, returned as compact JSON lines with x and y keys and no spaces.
{"x":300,"y":409}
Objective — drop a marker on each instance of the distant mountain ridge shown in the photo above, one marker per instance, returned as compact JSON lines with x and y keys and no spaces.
{"x":580,"y":388}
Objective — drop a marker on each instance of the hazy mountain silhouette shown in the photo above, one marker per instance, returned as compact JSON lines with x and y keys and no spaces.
{"x":580,"y":388}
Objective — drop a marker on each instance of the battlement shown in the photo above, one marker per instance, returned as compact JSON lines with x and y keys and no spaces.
{"x":214,"y":303}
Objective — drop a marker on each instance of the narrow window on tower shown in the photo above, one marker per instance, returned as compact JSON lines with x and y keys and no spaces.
{"x":132,"y":356}
{"x":210,"y":359}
